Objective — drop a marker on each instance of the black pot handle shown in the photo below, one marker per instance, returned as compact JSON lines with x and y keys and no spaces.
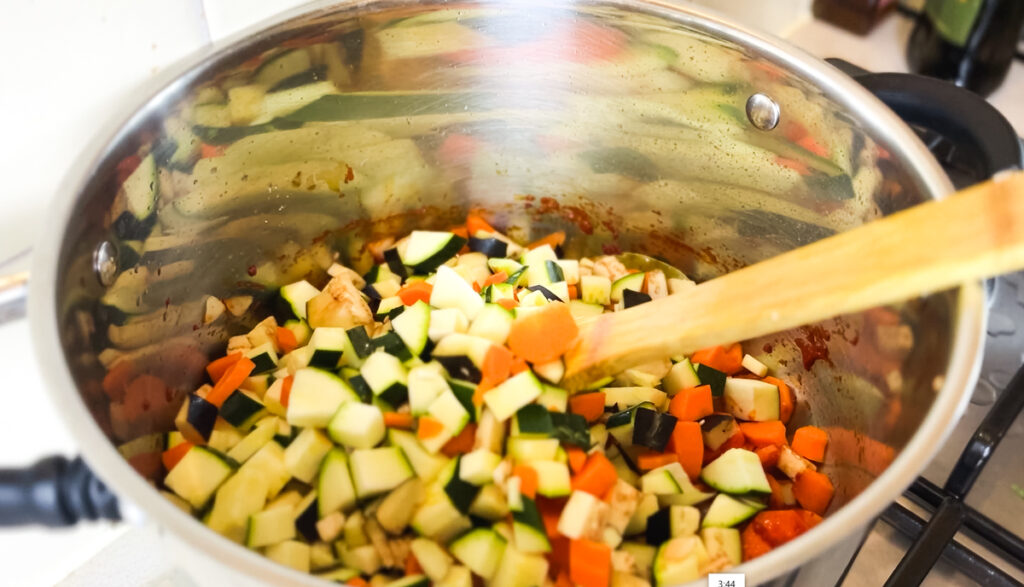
{"x":54,"y":492}
{"x":961,"y":128}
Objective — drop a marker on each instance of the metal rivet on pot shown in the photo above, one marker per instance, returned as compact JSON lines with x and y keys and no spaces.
{"x":104,"y":263}
{"x":762,"y":111}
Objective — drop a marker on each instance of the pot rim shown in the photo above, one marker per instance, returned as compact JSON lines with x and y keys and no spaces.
{"x":102,"y":455}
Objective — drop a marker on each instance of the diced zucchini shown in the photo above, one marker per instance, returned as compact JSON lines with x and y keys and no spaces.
{"x":260,"y":435}
{"x":647,"y":506}
{"x":431,"y":557}
{"x":315,"y":397}
{"x":426,"y":465}
{"x":630,"y":281}
{"x":197,"y":475}
{"x":681,"y":376}
{"x":461,"y":493}
{"x":438,"y":519}
{"x":413,"y":326}
{"x":363,"y":558}
{"x":624,"y":398}
{"x":490,"y":503}
{"x":387,"y":377}
{"x":520,"y":569}
{"x":450,"y":412}
{"x":583,"y":516}
{"x":750,"y":399}
{"x":357,"y":425}
{"x":264,"y":357}
{"x":754,"y":366}
{"x":480,"y":550}
{"x":425,"y":383}
{"x":410,"y":581}
{"x":328,"y":346}
{"x":536,"y":264}
{"x":517,"y":391}
{"x":551,"y":372}
{"x":493,"y":322}
{"x":269,"y":463}
{"x":723,"y":544}
{"x":554,"y":399}
{"x":141,"y":188}
{"x":294,"y":297}
{"x":528,"y":528}
{"x":581,"y":310}
{"x":533,"y":421}
{"x":477,"y":467}
{"x":672,"y":486}
{"x":270,"y":526}
{"x":335,"y":491}
{"x":290,"y":553}
{"x":427,"y":250}
{"x":679,"y":561}
{"x":552,"y":478}
{"x":727,"y":511}
{"x":446,"y":321}
{"x":736,"y":471}
{"x":528,"y":450}
{"x":378,"y":470}
{"x":595,"y":289}
{"x":713,"y":377}
{"x":452,"y":291}
{"x":396,"y":510}
{"x":302,"y":457}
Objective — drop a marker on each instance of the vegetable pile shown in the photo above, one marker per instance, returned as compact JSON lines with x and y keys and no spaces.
{"x":406,"y":427}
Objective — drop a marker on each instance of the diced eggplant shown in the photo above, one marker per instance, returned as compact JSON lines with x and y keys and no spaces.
{"x":716,"y":429}
{"x":632,"y":298}
{"x":491,"y":247}
{"x":653,"y":429}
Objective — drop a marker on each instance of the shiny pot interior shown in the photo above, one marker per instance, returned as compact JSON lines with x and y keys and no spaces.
{"x":623,"y":123}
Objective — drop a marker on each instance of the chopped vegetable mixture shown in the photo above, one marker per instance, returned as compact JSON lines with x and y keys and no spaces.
{"x":406,"y":427}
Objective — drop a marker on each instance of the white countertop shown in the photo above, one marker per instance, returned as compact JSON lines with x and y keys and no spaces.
{"x":69,"y":65}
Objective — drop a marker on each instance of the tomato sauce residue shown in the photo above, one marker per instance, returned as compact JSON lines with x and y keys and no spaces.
{"x":611,"y":249}
{"x":571,"y":214}
{"x":814,"y":346}
{"x":251,"y":271}
{"x":349,"y":174}
{"x":767,"y":347}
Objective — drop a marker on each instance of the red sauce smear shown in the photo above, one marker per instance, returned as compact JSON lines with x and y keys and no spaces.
{"x":814,"y":346}
{"x":767,"y":347}
{"x":251,"y":271}
{"x":571,"y":214}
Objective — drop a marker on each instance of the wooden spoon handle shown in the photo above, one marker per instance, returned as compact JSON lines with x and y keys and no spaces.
{"x":975,"y":233}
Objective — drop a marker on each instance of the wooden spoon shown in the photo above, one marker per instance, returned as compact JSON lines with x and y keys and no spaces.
{"x":975,"y":233}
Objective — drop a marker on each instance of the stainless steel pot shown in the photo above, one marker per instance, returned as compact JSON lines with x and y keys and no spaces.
{"x":635,"y":125}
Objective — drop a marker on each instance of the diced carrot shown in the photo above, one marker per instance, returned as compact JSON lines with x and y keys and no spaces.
{"x":286,"y":340}
{"x":508,"y":303}
{"x":728,"y":359}
{"x":396,"y":420}
{"x":753,"y":545}
{"x":497,"y":364}
{"x":208,"y":151}
{"x":527,"y":480}
{"x":171,"y":456}
{"x":229,"y":382}
{"x":462,"y":443}
{"x":555,"y":239}
{"x":459,"y":231}
{"x":544,"y":335}
{"x":764,"y":433}
{"x":117,"y":379}
{"x":810,"y":519}
{"x":813,"y":491}
{"x":477,"y":287}
{"x":483,"y":387}
{"x":475,"y":223}
{"x":597,"y":477}
{"x":428,"y":427}
{"x":590,"y":405}
{"x":550,"y":510}
{"x":286,"y":389}
{"x":573,"y":292}
{"x":217,"y":368}
{"x":769,"y":455}
{"x":412,"y":566}
{"x":688,"y":445}
{"x":809,"y":442}
{"x":416,"y":291}
{"x":493,"y":278}
{"x":590,"y":563}
{"x":577,"y":458}
{"x":357,"y":582}
{"x":125,"y":167}
{"x":652,"y":460}
{"x":778,"y":527}
{"x":692,"y":404}
{"x":785,"y":398}
{"x":518,"y":366}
